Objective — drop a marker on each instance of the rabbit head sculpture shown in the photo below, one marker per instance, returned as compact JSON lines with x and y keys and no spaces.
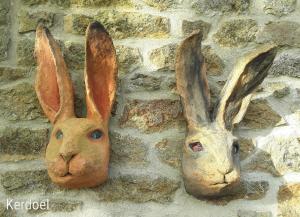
{"x":210,"y":161}
{"x":78,"y":151}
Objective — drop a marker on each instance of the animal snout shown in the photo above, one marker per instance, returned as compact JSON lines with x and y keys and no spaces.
{"x":67,"y":156}
{"x":231,"y":177}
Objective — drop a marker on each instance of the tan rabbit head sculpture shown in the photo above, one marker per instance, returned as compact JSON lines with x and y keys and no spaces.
{"x":210,"y":161}
{"x":78,"y":151}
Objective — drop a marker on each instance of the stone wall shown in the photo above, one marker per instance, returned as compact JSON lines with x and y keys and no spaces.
{"x":148,"y":127}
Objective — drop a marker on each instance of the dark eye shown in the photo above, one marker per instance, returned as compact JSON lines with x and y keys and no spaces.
{"x":59,"y":135}
{"x":96,"y":134}
{"x":236,"y":147}
{"x":196,"y":146}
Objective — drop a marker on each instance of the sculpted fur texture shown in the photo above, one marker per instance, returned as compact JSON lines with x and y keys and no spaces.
{"x":78,"y":151}
{"x":211,"y":153}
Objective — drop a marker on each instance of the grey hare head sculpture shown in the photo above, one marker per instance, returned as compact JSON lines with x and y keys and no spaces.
{"x":210,"y":161}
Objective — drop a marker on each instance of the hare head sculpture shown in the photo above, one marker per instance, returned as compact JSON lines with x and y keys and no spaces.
{"x":78,"y":151}
{"x":210,"y":161}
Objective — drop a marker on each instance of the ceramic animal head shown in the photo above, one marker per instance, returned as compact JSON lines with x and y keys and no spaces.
{"x":211,"y":153}
{"x":78,"y":151}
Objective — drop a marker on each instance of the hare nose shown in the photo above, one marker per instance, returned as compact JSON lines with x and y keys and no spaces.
{"x":67,"y":156}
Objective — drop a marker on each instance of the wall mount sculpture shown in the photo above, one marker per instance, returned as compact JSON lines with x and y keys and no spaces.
{"x":78,"y":151}
{"x":210,"y":161}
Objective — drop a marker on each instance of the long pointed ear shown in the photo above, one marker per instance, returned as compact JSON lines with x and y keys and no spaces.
{"x":100,"y":72}
{"x":248,"y":73}
{"x":191,"y":80}
{"x":53,"y":83}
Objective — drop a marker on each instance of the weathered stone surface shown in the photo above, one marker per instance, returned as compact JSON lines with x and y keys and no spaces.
{"x":25,"y":52}
{"x":12,"y":74}
{"x":154,"y":115}
{"x":286,"y":63}
{"x":279,"y":8}
{"x":236,"y":33}
{"x":250,"y":213}
{"x":288,"y":200}
{"x":190,"y":26}
{"x":260,"y":115}
{"x":280,"y":93}
{"x":23,"y":182}
{"x":6,"y":212}
{"x":162,"y":4}
{"x":131,"y":24}
{"x":128,"y":58}
{"x":60,"y":205}
{"x":103,"y":3}
{"x":169,"y":151}
{"x":4,"y":42}
{"x":221,"y":6}
{"x":62,"y":3}
{"x":19,"y":103}
{"x":164,"y":57}
{"x":74,"y":54}
{"x":139,"y":189}
{"x":76,"y":23}
{"x":246,"y":148}
{"x":247,"y":190}
{"x":127,"y":150}
{"x":276,"y":32}
{"x":17,"y":140}
{"x":28,"y":21}
{"x":214,"y":64}
{"x":4,"y":10}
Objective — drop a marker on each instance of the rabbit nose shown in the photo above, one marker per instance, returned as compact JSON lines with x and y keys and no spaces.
{"x":67,"y":156}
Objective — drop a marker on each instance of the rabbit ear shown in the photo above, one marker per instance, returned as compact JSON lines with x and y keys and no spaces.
{"x":191,"y":80}
{"x":100,"y":72}
{"x":53,"y":83}
{"x":248,"y":73}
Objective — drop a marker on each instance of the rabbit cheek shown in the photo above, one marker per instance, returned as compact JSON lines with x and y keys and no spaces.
{"x":78,"y":166}
{"x":58,"y":167}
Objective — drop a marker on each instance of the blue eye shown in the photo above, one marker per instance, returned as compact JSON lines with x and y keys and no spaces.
{"x":96,"y":134}
{"x":59,"y":135}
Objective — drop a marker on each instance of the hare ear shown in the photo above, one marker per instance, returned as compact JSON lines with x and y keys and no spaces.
{"x":191,"y":80}
{"x":53,"y":83}
{"x":100,"y":72}
{"x":248,"y":73}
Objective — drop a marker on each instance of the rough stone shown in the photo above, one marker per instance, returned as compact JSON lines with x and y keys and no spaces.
{"x":246,"y":148}
{"x":153,"y":115}
{"x":127,"y":150}
{"x":286,"y":63}
{"x":102,"y":3}
{"x":23,"y":141}
{"x":74,"y":55}
{"x":76,"y":23}
{"x":190,"y":26}
{"x":138,"y":189}
{"x":8,"y":74}
{"x":221,"y":6}
{"x":24,"y":182}
{"x":288,"y":200}
{"x":6,"y":212}
{"x":131,"y":24}
{"x":4,"y":42}
{"x":25,"y":52}
{"x":260,"y":115}
{"x":279,"y":8}
{"x":19,"y":103}
{"x":276,"y":32}
{"x":214,"y":64}
{"x":4,"y":11}
{"x":169,"y":151}
{"x":128,"y":58}
{"x":60,"y":205}
{"x":28,"y":21}
{"x":250,"y":213}
{"x":282,"y":92}
{"x":162,"y":4}
{"x":236,"y":33}
{"x":247,"y":190}
{"x":164,"y":57}
{"x":62,"y":3}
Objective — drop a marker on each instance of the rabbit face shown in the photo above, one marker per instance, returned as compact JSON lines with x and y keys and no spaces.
{"x":78,"y":153}
{"x":210,"y":161}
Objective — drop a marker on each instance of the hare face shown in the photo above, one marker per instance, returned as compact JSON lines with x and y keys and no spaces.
{"x":78,"y":153}
{"x":210,"y":162}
